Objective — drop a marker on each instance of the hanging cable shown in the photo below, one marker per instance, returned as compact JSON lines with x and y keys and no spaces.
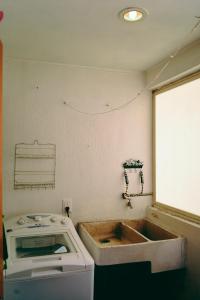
{"x":156,"y":77}
{"x":141,"y":181}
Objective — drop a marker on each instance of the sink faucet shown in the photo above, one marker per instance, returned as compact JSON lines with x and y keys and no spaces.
{"x":127,"y":196}
{"x":129,"y":204}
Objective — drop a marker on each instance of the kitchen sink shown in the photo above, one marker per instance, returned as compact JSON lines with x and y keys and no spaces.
{"x":113,"y":233}
{"x":126,"y":241}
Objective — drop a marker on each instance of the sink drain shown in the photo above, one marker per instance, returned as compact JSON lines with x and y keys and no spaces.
{"x":105,"y":241}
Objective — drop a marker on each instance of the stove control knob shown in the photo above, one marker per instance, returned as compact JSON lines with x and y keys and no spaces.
{"x":37,"y":218}
{"x":21,"y":221}
{"x":63,"y":221}
{"x":53,"y":219}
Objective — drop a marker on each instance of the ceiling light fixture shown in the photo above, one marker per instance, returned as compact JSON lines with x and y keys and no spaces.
{"x":132,"y":14}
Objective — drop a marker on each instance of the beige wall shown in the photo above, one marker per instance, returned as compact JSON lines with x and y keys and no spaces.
{"x":90,"y":149}
{"x":191,"y":232}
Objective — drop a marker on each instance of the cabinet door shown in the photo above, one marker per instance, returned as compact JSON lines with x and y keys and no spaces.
{"x":1,"y":235}
{"x":123,"y":281}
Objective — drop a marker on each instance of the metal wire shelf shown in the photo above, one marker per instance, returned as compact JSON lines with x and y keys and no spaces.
{"x":34,"y":166}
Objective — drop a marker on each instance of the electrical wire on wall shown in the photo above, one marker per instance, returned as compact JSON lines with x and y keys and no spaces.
{"x":145,"y":88}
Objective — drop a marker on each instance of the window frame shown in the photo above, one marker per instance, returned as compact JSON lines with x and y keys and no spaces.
{"x":169,"y":209}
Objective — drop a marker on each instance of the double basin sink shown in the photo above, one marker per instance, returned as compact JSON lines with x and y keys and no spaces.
{"x":128,"y":241}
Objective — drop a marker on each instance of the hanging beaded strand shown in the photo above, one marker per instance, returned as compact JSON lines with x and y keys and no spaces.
{"x":126,"y":180}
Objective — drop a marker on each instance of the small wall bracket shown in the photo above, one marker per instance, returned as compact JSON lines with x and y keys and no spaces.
{"x":133,"y":164}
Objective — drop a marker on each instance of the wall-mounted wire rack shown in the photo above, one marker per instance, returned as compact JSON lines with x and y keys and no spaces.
{"x":35,"y":166}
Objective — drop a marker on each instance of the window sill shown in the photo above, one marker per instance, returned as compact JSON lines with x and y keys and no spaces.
{"x":177,"y":213}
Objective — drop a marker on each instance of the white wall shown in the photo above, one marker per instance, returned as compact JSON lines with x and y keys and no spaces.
{"x":90,"y":149}
{"x":187,"y":62}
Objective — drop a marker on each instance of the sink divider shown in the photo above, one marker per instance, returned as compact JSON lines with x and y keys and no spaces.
{"x":136,"y":232}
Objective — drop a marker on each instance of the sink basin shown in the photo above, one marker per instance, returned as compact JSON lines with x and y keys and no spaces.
{"x":113,"y":233}
{"x":150,"y":230}
{"x":127,"y":241}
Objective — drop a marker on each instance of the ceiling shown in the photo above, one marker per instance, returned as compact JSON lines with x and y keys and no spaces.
{"x":90,"y":32}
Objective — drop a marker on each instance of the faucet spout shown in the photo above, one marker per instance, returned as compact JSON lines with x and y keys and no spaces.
{"x":129,"y":204}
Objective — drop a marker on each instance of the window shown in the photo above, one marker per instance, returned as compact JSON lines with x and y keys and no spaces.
{"x":177,"y":147}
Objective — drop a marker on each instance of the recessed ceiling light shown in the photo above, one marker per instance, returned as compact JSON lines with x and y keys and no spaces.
{"x":132,"y":14}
